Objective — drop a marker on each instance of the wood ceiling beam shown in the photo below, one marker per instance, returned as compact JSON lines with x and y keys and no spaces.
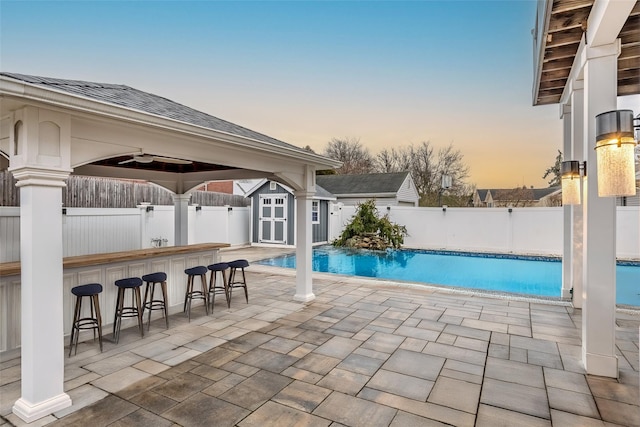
{"x":562,"y":6}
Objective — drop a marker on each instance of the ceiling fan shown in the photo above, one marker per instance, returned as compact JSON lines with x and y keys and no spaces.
{"x":148,"y":158}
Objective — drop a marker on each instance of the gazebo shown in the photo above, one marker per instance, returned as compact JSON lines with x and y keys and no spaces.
{"x":52,"y":128}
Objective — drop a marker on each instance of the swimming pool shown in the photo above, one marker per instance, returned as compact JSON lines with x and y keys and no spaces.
{"x":537,"y":276}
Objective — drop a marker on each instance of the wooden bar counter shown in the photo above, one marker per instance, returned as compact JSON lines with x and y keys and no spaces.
{"x":105,"y":269}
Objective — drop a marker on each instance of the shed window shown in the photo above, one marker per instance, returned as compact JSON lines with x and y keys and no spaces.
{"x":315,"y":212}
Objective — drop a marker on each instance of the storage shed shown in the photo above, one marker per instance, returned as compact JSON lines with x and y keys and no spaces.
{"x":273,"y":207}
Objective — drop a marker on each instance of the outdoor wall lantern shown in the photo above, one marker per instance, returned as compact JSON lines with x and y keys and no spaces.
{"x":570,"y":173}
{"x":198,"y":208}
{"x":615,"y":153}
{"x":149,"y":208}
{"x":444,"y":208}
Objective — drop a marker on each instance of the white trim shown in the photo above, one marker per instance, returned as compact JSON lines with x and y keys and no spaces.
{"x":29,"y":412}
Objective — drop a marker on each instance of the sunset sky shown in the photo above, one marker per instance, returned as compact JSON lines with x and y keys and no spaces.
{"x":390,"y":73}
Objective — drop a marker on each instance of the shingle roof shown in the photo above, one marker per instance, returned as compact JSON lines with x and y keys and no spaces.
{"x":509,"y":194}
{"x":372,"y":183}
{"x":482,"y":194}
{"x":145,"y":102}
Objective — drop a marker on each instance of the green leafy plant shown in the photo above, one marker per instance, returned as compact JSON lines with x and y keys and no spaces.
{"x":368,"y":225}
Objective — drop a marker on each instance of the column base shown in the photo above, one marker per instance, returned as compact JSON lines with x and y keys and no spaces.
{"x":566,"y":294}
{"x":598,"y":364}
{"x":304,"y":297}
{"x":30,"y":412}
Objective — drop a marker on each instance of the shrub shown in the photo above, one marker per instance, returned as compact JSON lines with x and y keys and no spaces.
{"x":368,"y":230}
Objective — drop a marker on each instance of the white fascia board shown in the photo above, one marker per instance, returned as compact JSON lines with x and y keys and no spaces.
{"x":18,"y":89}
{"x":539,"y":40}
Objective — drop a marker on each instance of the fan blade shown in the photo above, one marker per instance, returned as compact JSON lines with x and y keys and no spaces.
{"x":124,"y":162}
{"x":172,"y":160}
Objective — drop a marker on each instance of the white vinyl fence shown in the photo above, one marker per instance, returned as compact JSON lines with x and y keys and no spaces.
{"x":523,"y":231}
{"x":94,"y":230}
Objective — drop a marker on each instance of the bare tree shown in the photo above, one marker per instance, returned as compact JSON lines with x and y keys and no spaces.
{"x":427,"y":167}
{"x":354,"y":157}
{"x":393,"y":160}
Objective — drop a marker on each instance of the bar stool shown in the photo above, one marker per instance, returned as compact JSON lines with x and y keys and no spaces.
{"x":215,"y":288}
{"x":237,"y":283}
{"x":94,"y":322}
{"x":190,"y":294}
{"x":155,"y":304}
{"x":133,"y":310}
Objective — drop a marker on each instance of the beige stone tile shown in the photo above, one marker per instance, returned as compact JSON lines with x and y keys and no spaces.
{"x":353,"y":411}
{"x":567,"y":419}
{"x":302,"y":396}
{"x":515,"y":397}
{"x":514,"y":372}
{"x":415,"y":364}
{"x":425,"y":409}
{"x":344,"y":381}
{"x":618,"y":412}
{"x":571,"y":401}
{"x":490,"y":416}
{"x":151,"y":366}
{"x":120,"y":380}
{"x":401,"y":385}
{"x":566,"y":380}
{"x":81,"y":397}
{"x":455,"y":394}
{"x":405,"y":419}
{"x":276,"y":415}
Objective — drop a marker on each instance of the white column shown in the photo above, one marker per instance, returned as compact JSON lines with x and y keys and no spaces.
{"x":39,"y":160}
{"x":181,"y":217}
{"x":304,"y":269}
{"x":567,"y":223}
{"x":577,"y":153}
{"x":42,"y":332}
{"x":599,"y":308}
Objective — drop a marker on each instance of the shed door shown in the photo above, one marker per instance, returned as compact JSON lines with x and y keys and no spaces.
{"x":272,"y":226}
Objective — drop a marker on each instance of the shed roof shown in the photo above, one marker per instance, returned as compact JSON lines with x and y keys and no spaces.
{"x":372,"y":183}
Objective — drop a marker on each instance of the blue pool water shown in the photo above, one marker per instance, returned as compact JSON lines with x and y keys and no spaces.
{"x":539,"y":276}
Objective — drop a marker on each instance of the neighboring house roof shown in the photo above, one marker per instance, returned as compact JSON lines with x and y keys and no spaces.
{"x":482,"y":194}
{"x":363,"y":184}
{"x":321,"y":193}
{"x":135,"y":99}
{"x":510,"y":194}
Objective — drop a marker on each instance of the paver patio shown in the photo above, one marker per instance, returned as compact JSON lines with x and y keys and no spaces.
{"x":363,"y":353}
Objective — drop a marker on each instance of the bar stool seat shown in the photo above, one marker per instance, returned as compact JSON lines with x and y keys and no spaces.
{"x":235,"y":282}
{"x":94,"y":322}
{"x":133,"y":310}
{"x":191,"y":294}
{"x":214,"y":287}
{"x":155,"y":304}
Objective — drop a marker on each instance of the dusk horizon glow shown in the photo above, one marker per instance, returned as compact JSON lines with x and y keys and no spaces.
{"x":390,"y":73}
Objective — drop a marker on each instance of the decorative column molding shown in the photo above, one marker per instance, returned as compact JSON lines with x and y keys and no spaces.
{"x":599,"y":222}
{"x":181,"y":217}
{"x":39,"y":160}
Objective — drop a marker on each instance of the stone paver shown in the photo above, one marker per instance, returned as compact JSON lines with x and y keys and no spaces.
{"x":363,"y":353}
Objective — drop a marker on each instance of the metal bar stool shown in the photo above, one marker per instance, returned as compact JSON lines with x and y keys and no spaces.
{"x":133,"y":310}
{"x":237,"y":283}
{"x":190,"y":294}
{"x":94,"y":322}
{"x":214,"y":287}
{"x":155,"y":304}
